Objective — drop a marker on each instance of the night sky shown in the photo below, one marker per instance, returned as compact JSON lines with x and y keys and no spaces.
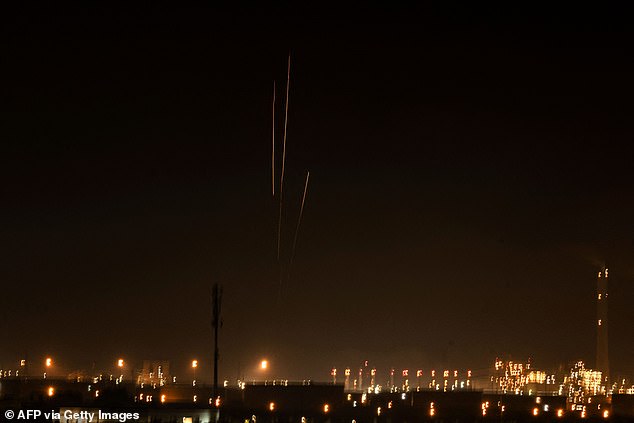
{"x":471,"y":171}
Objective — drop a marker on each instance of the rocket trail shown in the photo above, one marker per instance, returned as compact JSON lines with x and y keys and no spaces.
{"x":299,"y":222}
{"x":279,"y":223}
{"x":288,"y":82}
{"x":273,"y":145}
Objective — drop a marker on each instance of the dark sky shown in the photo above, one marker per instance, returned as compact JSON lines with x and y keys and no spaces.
{"x":471,"y":171}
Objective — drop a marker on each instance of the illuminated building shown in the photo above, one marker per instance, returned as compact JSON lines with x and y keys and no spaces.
{"x":520,"y":379}
{"x":603,"y":362}
{"x":155,"y":373}
{"x":582,"y":383}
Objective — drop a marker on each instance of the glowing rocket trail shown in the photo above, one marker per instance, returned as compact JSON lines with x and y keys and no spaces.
{"x":299,"y":221}
{"x":273,"y":145}
{"x":279,"y":223}
{"x":288,"y":82}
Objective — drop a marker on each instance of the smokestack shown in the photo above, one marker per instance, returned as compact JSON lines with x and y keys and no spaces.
{"x":603,"y":361}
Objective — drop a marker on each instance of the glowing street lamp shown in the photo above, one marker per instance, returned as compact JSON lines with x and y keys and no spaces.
{"x":48,"y":363}
{"x":120,"y":366}
{"x":264,"y":364}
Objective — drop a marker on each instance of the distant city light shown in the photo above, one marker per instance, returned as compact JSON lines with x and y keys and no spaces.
{"x":194,"y":363}
{"x":264,"y":364}
{"x":49,"y":362}
{"x":120,"y":362}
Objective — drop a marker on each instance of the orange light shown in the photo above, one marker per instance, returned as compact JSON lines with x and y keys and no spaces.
{"x":51,"y":391}
{"x":606,"y":414}
{"x":217,"y":402}
{"x":264,"y":364}
{"x":49,"y":362}
{"x":194,"y":363}
{"x":271,"y":406}
{"x":120,"y":362}
{"x":326,"y":408}
{"x":535,"y":411}
{"x":163,"y":398}
{"x":560,"y":413}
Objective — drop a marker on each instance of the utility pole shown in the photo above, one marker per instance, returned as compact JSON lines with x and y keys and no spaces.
{"x":216,"y":299}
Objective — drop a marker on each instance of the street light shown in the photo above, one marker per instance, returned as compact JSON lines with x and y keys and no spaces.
{"x":120,"y":364}
{"x":194,"y":366}
{"x":264,"y":364}
{"x":48,"y":363}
